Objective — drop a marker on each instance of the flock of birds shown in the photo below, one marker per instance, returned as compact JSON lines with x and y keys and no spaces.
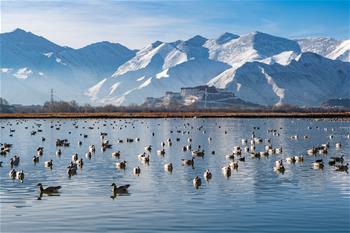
{"x":239,"y":153}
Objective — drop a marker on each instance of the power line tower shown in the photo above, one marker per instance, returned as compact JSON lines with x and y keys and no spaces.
{"x":51,"y":96}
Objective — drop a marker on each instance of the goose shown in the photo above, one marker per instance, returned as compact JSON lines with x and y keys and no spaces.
{"x":338,"y":159}
{"x":299,"y":159}
{"x":116,"y":154}
{"x":279,"y":166}
{"x":234,"y":165}
{"x":92,"y":149}
{"x":311,"y":151}
{"x":278,"y":150}
{"x":161,"y":152}
{"x":291,"y":159}
{"x":198,"y":153}
{"x":80,"y":162}
{"x":120,"y":189}
{"x":318,"y":164}
{"x":35,"y":159}
{"x":40,"y":151}
{"x":143,"y":158}
{"x":74,"y":157}
{"x":48,"y":190}
{"x":230,"y":156}
{"x":207,"y":175}
{"x":187,"y":161}
{"x":168,"y":167}
{"x":342,"y":168}
{"x":88,"y":155}
{"x":58,"y":152}
{"x":137,"y":170}
{"x":148,"y":148}
{"x":12,"y":174}
{"x":49,"y":163}
{"x":226,"y":170}
{"x":197,"y":181}
{"x":72,"y":169}
{"x":338,"y":145}
{"x":121,"y":165}
{"x":20,"y":175}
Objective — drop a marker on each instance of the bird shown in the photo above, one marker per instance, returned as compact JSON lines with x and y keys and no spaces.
{"x":197,"y":181}
{"x":49,"y":163}
{"x":119,"y":189}
{"x":121,"y":165}
{"x":137,"y":170}
{"x":187,"y":161}
{"x":168,"y":167}
{"x":207,"y":175}
{"x":48,"y":190}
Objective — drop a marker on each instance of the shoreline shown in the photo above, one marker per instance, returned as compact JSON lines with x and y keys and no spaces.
{"x":177,"y":115}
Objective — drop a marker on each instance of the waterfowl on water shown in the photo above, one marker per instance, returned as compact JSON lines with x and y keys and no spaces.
{"x":49,"y":163}
{"x":226,"y":170}
{"x":137,"y":170}
{"x":121,"y":165}
{"x":187,"y":161}
{"x":207,"y":175}
{"x":119,"y":189}
{"x":168,"y":167}
{"x":48,"y":190}
{"x":197,"y":181}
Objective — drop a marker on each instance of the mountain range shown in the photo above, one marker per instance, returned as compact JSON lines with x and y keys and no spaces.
{"x":257,"y":67}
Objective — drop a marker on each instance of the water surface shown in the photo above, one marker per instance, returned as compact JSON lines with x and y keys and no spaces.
{"x":253,"y":199}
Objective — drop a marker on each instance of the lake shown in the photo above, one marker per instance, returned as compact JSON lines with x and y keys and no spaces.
{"x":254,"y":198}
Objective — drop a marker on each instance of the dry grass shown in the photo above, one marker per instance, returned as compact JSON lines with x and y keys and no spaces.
{"x":179,"y":115}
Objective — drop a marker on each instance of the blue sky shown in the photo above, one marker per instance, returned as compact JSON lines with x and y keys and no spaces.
{"x":137,"y":23}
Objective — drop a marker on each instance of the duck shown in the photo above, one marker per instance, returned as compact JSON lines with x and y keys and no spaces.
{"x":197,"y":181}
{"x":207,"y":175}
{"x":187,"y":161}
{"x":121,"y":165}
{"x":48,"y":190}
{"x":119,"y":189}
{"x":74,"y":157}
{"x":137,"y":170}
{"x":49,"y":163}
{"x":168,"y":167}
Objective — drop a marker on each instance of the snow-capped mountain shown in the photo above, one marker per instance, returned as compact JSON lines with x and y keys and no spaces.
{"x":257,"y":67}
{"x":32,"y":65}
{"x":327,"y":47}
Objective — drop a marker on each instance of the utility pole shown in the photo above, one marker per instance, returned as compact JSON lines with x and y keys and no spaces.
{"x":205,"y":98}
{"x":51,"y":99}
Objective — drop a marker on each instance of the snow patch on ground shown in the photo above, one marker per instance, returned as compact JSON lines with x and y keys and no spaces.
{"x":163,"y":74}
{"x":94,"y":90}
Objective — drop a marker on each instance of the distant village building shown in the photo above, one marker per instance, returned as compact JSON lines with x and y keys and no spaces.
{"x":199,"y":96}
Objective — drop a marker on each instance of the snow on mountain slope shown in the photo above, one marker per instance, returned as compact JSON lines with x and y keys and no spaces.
{"x":309,"y":80}
{"x":27,"y":56}
{"x":250,"y":47}
{"x":158,"y":68}
{"x":326,"y":47}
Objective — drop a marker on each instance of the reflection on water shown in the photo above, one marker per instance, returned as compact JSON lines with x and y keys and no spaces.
{"x":253,"y":199}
